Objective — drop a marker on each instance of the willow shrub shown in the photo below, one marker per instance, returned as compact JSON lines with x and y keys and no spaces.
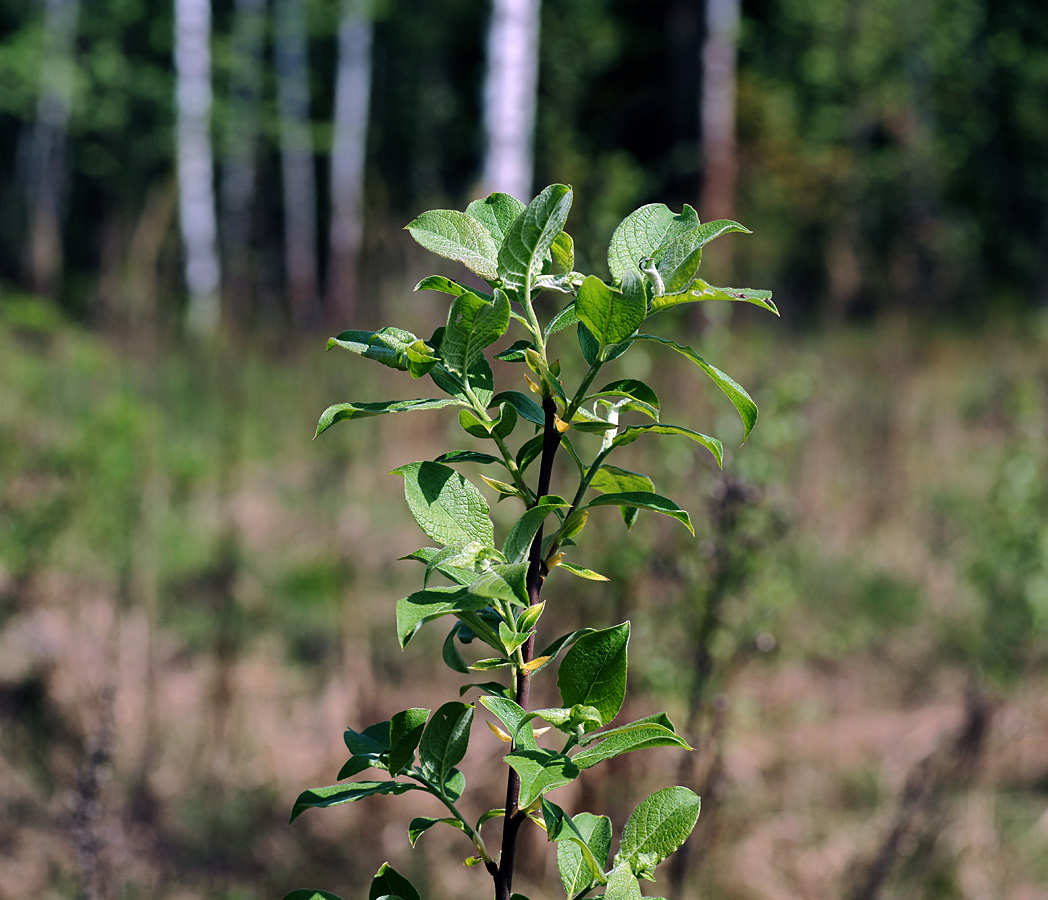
{"x":491,"y":590}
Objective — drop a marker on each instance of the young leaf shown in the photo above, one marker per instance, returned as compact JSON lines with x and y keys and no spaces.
{"x":388,"y":882}
{"x":447,"y":507}
{"x":447,"y":286}
{"x":658,"y":827}
{"x":610,"y":316}
{"x":496,"y":212}
{"x":643,"y":500}
{"x":423,"y":606}
{"x":523,"y":404}
{"x":461,"y":456}
{"x":455,"y":235}
{"x":518,"y":541}
{"x":450,"y":652}
{"x":334,"y":794}
{"x":734,"y":391}
{"x":405,"y":731}
{"x":581,"y":571}
{"x":473,"y":324}
{"x":703,"y":291}
{"x":480,"y":380}
{"x":341,"y":412}
{"x":639,"y":736}
{"x":530,"y":236}
{"x":390,"y":346}
{"x":638,"y":236}
{"x":540,"y":771}
{"x":516,"y":352}
{"x":612,"y":479}
{"x":444,"y":741}
{"x":576,"y":871}
{"x":421,"y":824}
{"x":623,"y":884}
{"x":563,"y":250}
{"x":593,"y":672}
{"x":512,"y":716}
{"x":567,"y":316}
{"x":503,"y":582}
{"x":632,"y":389}
{"x":632,"y":432}
{"x":680,"y":255}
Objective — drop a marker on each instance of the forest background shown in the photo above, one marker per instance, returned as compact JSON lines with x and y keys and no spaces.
{"x":195,"y":599}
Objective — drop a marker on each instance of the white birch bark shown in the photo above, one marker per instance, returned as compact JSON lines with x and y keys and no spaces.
{"x":195,"y":162}
{"x":46,"y":166}
{"x":718,"y":108}
{"x":510,"y":97}
{"x":296,"y":163}
{"x":352,"y":97}
{"x":240,"y":169}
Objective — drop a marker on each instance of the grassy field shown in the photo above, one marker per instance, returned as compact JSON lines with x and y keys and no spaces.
{"x":195,"y":600}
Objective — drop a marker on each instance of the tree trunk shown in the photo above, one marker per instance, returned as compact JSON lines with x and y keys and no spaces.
{"x":195,"y":162}
{"x":510,"y":97}
{"x":348,"y":153}
{"x":46,"y":175}
{"x":718,"y":108}
{"x":240,"y":170}
{"x":296,"y":163}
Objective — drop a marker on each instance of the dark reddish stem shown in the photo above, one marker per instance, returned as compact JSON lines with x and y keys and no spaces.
{"x":536,"y":575}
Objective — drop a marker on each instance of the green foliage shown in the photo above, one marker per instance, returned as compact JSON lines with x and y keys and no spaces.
{"x":494,"y":595}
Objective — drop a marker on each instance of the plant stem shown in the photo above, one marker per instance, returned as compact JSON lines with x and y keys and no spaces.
{"x":514,"y":816}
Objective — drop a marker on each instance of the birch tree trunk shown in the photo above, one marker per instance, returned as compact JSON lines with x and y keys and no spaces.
{"x":240,"y":170}
{"x":348,"y":153}
{"x":46,"y":171}
{"x":296,"y":163}
{"x":195,"y":162}
{"x":510,"y":97}
{"x":718,"y":108}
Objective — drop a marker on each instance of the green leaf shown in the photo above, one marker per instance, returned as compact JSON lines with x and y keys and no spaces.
{"x":489,"y":665}
{"x":341,"y":412}
{"x":644,"y":500}
{"x":389,"y":882}
{"x":612,"y":479}
{"x":639,"y":736}
{"x":454,"y":785}
{"x":311,"y":895}
{"x":447,"y":286}
{"x":512,"y":716}
{"x":458,"y":236}
{"x":503,"y":582}
{"x":462,"y":456}
{"x":423,"y":606}
{"x":734,"y":391}
{"x":563,"y":250}
{"x":480,"y":379}
{"x":704,"y":291}
{"x":390,"y":346}
{"x":523,"y":404}
{"x":540,"y":771}
{"x":638,"y":236}
{"x":450,"y":652}
{"x":334,"y":794}
{"x":593,"y":672}
{"x":368,"y":749}
{"x":529,"y":238}
{"x":445,"y":740}
{"x":506,"y":421}
{"x":632,"y":389}
{"x":658,"y":827}
{"x":447,"y":507}
{"x":496,"y":212}
{"x":610,"y":316}
{"x":576,"y":870}
{"x":428,"y":554}
{"x":565,"y":640}
{"x":421,"y":824}
{"x":473,"y":324}
{"x":582,"y":572}
{"x":521,"y":535}
{"x":567,"y":316}
{"x":679,"y":257}
{"x":516,"y":352}
{"x":405,"y":731}
{"x":529,"y":451}
{"x":623,"y":884}
{"x":632,"y":432}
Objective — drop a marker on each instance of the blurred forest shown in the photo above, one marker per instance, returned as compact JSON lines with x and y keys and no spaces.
{"x":195,"y":600}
